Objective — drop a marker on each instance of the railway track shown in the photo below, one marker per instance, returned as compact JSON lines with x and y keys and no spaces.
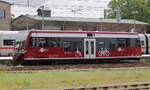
{"x":124,"y":86}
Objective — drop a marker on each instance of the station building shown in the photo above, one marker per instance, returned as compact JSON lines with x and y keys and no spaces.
{"x":25,"y":22}
{"x":5,"y":16}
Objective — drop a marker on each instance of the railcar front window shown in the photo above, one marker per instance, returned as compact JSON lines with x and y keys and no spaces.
{"x":142,"y":42}
{"x":138,"y":43}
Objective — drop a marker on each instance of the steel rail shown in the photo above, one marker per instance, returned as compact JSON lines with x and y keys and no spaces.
{"x":126,"y":86}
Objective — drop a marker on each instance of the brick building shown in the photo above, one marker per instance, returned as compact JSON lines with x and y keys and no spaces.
{"x":5,"y":16}
{"x":69,"y":23}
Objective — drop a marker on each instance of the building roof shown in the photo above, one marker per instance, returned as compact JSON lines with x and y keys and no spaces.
{"x":76,"y":19}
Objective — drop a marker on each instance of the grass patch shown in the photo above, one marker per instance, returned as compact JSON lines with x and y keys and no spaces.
{"x":55,"y":79}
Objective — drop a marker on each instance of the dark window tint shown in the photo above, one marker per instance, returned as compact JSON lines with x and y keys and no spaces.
{"x":138,"y":43}
{"x":142,"y":42}
{"x":44,"y":42}
{"x":68,"y":44}
{"x":106,"y":43}
{"x":112,"y":45}
{"x":122,"y":42}
{"x":8,"y":42}
{"x":72,"y":44}
{"x":133,"y":42}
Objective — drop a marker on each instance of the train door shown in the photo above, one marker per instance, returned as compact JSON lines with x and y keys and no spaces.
{"x":89,"y":48}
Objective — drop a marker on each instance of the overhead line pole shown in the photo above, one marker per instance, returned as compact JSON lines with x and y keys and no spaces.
{"x":43,"y":14}
{"x":27,"y":18}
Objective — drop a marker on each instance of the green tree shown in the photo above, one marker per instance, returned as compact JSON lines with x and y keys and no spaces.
{"x":128,"y":7}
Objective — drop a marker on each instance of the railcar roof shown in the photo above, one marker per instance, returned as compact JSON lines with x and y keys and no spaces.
{"x":81,"y":32}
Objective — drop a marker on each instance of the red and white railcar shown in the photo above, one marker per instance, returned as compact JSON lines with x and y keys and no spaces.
{"x":50,"y":45}
{"x":7,"y":40}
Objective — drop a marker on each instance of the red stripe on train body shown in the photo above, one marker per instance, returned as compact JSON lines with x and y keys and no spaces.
{"x":7,"y":47}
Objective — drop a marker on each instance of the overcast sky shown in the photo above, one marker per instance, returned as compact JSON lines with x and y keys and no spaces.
{"x":73,"y":8}
{"x":39,"y":2}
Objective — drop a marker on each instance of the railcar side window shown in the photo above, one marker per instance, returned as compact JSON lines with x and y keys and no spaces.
{"x":101,"y":45}
{"x":8,"y":42}
{"x":44,"y":42}
{"x":72,"y":44}
{"x":67,"y":45}
{"x":122,"y":42}
{"x":112,"y":45}
{"x":133,"y":42}
{"x":53,"y":42}
{"x":77,"y":45}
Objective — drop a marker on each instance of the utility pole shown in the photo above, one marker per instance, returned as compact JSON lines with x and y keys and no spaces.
{"x":134,"y":17}
{"x":101,"y":24}
{"x":43,"y":18}
{"x":118,"y":13}
{"x":43,"y":14}
{"x":27,"y":18}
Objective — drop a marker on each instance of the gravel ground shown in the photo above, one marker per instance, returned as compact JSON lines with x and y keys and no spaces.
{"x":74,"y":66}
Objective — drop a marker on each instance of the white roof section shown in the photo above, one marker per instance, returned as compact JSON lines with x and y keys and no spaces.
{"x":124,"y":21}
{"x":9,"y":32}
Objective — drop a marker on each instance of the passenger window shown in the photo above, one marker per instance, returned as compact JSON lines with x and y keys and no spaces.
{"x":67,"y":45}
{"x":122,"y":42}
{"x":42,"y":42}
{"x":112,"y":45}
{"x":8,"y":42}
{"x":77,"y":45}
{"x":53,"y":42}
{"x":101,"y":45}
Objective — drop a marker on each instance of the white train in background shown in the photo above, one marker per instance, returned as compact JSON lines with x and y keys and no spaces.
{"x":7,"y":41}
{"x":145,"y":43}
